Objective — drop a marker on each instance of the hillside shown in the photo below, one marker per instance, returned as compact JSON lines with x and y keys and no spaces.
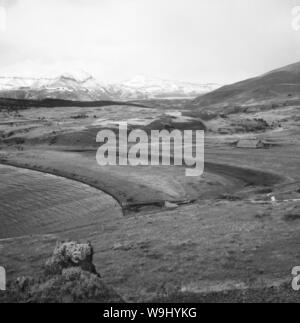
{"x":278,"y":87}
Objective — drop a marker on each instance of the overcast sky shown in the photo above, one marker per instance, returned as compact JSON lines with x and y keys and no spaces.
{"x":192,"y":40}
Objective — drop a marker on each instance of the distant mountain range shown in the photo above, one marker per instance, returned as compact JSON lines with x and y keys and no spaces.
{"x":84,"y":87}
{"x":278,"y":87}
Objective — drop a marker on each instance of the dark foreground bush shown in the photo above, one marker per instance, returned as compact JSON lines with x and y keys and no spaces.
{"x":69,"y":276}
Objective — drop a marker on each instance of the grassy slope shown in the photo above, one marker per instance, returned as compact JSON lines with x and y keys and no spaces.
{"x":277,"y":87}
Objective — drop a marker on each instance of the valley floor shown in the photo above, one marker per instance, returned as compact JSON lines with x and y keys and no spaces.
{"x":225,"y":234}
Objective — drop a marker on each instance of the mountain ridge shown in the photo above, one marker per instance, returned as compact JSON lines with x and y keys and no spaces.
{"x":86,"y":88}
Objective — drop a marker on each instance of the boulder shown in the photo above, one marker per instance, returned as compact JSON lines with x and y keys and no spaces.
{"x":169,"y":205}
{"x":69,"y":255}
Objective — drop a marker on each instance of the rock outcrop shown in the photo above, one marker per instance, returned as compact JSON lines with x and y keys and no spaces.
{"x":71,"y":254}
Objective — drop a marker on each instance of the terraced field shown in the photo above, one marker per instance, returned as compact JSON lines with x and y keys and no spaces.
{"x":34,"y":203}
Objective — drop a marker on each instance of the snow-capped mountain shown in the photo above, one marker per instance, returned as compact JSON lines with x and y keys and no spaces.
{"x":69,"y":87}
{"x":123,"y":92}
{"x":159,"y":88}
{"x":65,"y":86}
{"x":81,"y":86}
{"x":13,"y":83}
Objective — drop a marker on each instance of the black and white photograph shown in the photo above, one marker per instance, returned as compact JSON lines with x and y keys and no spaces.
{"x":149,"y":153}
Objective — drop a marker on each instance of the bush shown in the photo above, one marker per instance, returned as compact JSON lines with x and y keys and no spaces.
{"x":69,"y":276}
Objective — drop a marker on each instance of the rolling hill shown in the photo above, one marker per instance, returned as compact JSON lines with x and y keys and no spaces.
{"x":276,"y":88}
